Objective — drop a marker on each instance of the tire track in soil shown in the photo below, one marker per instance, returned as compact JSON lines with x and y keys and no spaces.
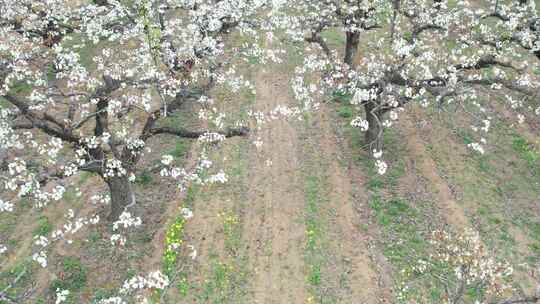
{"x":274,"y":231}
{"x":366,"y":279}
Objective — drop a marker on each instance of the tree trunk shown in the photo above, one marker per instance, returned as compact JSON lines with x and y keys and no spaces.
{"x":373,"y":137}
{"x":351,"y":48}
{"x":395,"y":8}
{"x":121,"y":195}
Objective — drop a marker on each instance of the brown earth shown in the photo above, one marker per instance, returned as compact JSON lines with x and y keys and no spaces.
{"x":453,"y":213}
{"x":351,"y":239}
{"x":273,"y":228}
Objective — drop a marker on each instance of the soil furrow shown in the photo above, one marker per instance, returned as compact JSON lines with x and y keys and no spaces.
{"x":349,"y":242}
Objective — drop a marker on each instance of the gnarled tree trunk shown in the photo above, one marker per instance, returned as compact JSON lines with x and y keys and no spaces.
{"x":121,"y":195}
{"x":351,"y":48}
{"x":373,"y":136}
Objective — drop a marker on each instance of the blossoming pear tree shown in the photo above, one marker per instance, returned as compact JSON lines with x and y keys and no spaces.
{"x":86,"y":84}
{"x":457,"y":265}
{"x":434,"y":53}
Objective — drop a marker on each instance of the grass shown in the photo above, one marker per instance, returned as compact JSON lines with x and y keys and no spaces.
{"x":72,"y":276}
{"x":527,"y":152}
{"x":86,"y":52}
{"x":84,"y":177}
{"x":345,"y":111}
{"x":44,"y":226}
{"x":101,"y":294}
{"x":314,"y":233}
{"x":231,"y":230}
{"x":497,"y":188}
{"x":228,"y":275}
{"x":144,"y":178}
{"x":334,"y":38}
{"x":327,"y":269}
{"x":174,"y":236}
{"x":181,"y":148}
{"x":403,"y":222}
{"x":226,"y":278}
{"x":218,"y":288}
{"x":25,"y":281}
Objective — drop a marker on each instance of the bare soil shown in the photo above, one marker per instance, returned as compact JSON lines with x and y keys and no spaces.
{"x":273,"y":228}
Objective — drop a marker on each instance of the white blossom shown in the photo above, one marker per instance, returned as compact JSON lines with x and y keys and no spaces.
{"x":61,"y":295}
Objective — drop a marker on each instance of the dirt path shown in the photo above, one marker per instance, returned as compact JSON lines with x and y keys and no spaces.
{"x":273,"y":228}
{"x":273,"y":224}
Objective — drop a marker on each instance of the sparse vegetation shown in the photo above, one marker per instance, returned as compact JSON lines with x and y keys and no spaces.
{"x":72,"y":275}
{"x":262,"y":151}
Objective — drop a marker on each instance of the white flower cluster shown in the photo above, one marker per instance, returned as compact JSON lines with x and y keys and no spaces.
{"x":101,"y":198}
{"x":458,"y":259}
{"x":363,"y":95}
{"x":6,"y":206}
{"x":258,"y":143}
{"x":521,"y":118}
{"x":41,"y":241}
{"x":167,"y":159}
{"x":73,"y":226}
{"x":379,"y":163}
{"x":3,"y":248}
{"x":220,"y":177}
{"x":70,"y":169}
{"x":186,"y":213}
{"x":193,"y":252}
{"x":361,"y":123}
{"x":113,"y":167}
{"x":125,"y":221}
{"x":91,"y":142}
{"x":28,"y":186}
{"x":476,"y":147}
{"x":41,"y":258}
{"x":61,"y":295}
{"x":112,"y":300}
{"x":135,"y":145}
{"x":18,"y":166}
{"x":118,"y":239}
{"x":154,"y":280}
{"x":51,"y":149}
{"x":278,"y":112}
{"x":210,"y":137}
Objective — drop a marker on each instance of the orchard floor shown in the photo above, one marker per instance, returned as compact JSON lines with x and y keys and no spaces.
{"x":304,"y":218}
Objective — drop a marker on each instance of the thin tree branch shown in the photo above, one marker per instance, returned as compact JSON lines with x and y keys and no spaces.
{"x":243,"y":131}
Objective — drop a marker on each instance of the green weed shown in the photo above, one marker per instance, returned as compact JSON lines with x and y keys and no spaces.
{"x":72,"y":276}
{"x":527,"y":152}
{"x":181,"y":149}
{"x":44,"y":226}
{"x":144,"y":178}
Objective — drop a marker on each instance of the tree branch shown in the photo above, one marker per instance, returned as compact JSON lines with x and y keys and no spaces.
{"x":533,"y":299}
{"x":243,"y":131}
{"x":316,"y":38}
